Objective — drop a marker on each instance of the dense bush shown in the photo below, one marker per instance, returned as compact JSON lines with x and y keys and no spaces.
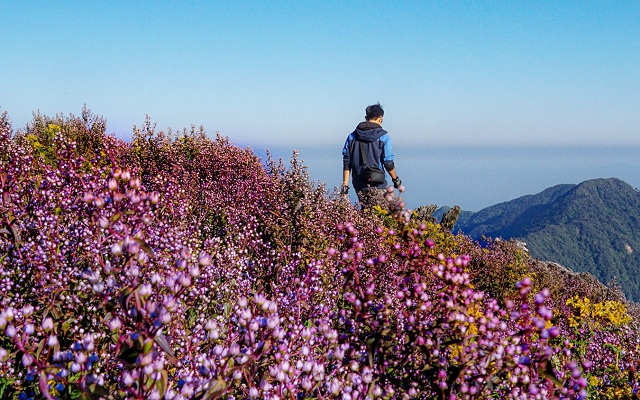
{"x":183,"y":267}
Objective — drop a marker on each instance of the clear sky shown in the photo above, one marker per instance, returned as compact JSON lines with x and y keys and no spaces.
{"x":269,"y":73}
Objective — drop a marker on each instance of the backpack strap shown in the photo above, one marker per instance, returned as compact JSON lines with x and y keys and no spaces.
{"x":363,"y":154}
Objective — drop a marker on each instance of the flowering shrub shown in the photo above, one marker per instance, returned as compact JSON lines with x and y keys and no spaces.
{"x":182,"y":267}
{"x":609,"y":312}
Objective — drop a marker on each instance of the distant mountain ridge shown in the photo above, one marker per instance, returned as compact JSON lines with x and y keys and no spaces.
{"x":593,"y":226}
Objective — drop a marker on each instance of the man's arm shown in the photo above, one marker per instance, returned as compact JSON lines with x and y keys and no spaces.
{"x":388,"y":163}
{"x":346,"y":165}
{"x":345,"y":177}
{"x":393,"y":173}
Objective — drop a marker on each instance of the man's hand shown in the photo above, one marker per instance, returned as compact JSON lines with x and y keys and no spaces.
{"x":396,"y":182}
{"x":344,"y":190}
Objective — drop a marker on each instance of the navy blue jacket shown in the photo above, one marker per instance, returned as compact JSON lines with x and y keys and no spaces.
{"x":377,"y":145}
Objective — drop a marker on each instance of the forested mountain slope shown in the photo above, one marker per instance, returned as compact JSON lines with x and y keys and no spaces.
{"x":593,"y":226}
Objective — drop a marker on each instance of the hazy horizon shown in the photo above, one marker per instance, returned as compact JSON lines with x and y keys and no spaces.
{"x":479,"y":177}
{"x":471,"y":176}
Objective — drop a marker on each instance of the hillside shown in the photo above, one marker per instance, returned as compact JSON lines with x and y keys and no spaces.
{"x":593,"y":227}
{"x":184,"y":267}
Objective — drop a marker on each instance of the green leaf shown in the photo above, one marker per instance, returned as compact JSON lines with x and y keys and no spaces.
{"x":66,"y":325}
{"x":191,"y":319}
{"x":16,"y":234}
{"x":145,"y":246}
{"x":148,"y":345}
{"x":548,"y":372}
{"x":216,"y":389}
{"x":164,"y":345}
{"x":4,"y":383}
{"x":266,"y":346}
{"x":124,"y":297}
{"x":162,"y":384}
{"x":55,"y":312}
{"x":74,"y":393}
{"x":40,"y":348}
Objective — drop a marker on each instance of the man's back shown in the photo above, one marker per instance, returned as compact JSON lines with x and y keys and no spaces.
{"x":368,"y":144}
{"x":367,"y":152}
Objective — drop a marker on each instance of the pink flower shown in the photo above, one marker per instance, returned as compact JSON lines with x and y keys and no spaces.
{"x":27,"y":359}
{"x":52,"y":341}
{"x":47,"y":324}
{"x":204,"y":259}
{"x":115,"y":324}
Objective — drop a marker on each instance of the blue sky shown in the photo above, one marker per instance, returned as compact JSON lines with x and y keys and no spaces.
{"x":271,"y":73}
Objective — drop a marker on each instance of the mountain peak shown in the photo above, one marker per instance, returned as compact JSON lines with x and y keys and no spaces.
{"x":593,"y":227}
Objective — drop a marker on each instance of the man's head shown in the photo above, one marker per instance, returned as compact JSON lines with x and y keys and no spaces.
{"x":374,"y":113}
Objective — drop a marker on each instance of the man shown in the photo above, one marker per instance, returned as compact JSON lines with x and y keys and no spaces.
{"x":366,"y":151}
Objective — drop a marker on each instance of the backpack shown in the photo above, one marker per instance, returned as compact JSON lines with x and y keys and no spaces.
{"x":372,"y":174}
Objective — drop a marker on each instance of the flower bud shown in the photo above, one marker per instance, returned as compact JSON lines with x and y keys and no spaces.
{"x":87,"y":197}
{"x":47,"y":324}
{"x":204,"y":259}
{"x":134,"y":183}
{"x":145,"y":290}
{"x":154,"y":198}
{"x":115,"y":324}
{"x":181,"y":263}
{"x":27,"y":360}
{"x":116,"y":249}
{"x":81,"y":358}
{"x":133,"y":248}
{"x":128,"y":379}
{"x":142,"y":258}
{"x":103,"y":222}
{"x":11,"y":331}
{"x":185,"y":280}
{"x":27,"y":310}
{"x":165,"y":317}
{"x":52,"y":341}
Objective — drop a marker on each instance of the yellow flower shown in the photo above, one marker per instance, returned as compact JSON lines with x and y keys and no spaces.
{"x":608,"y":312}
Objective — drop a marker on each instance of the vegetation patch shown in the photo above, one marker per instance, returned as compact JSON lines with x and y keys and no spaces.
{"x":183,"y":267}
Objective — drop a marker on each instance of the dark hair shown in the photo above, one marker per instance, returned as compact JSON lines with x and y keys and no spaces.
{"x":374,"y":111}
